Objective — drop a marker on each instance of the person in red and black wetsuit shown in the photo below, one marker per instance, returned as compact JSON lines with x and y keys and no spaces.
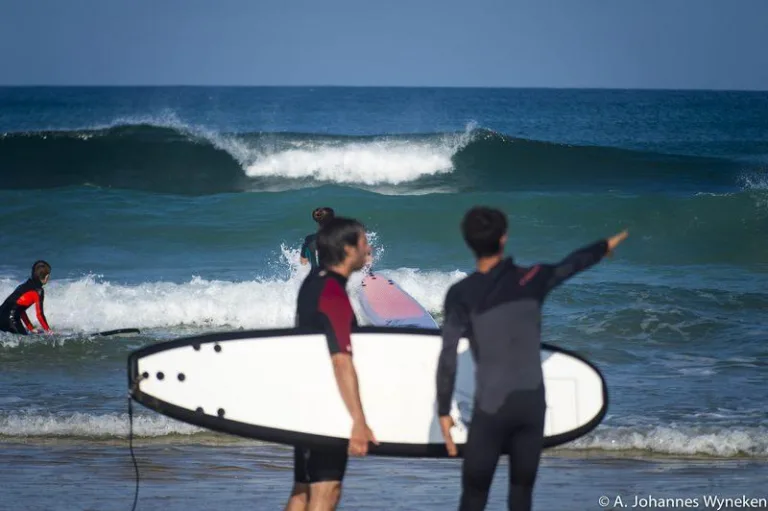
{"x":323,"y":305}
{"x":13,"y":311}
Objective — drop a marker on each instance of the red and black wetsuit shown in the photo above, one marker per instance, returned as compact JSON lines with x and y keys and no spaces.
{"x":323,"y":305}
{"x":13,"y":311}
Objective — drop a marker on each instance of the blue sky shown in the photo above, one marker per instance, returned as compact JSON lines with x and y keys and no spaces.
{"x":686,"y":44}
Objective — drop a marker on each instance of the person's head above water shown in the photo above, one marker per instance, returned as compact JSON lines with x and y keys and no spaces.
{"x":323,"y":215}
{"x":485,"y":231}
{"x":342,"y":245}
{"x":41,"y":271}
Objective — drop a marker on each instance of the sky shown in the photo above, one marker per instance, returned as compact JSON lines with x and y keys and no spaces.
{"x":668,"y":44}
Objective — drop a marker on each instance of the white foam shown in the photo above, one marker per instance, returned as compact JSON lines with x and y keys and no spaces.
{"x":755,"y":181}
{"x":665,"y":440}
{"x":679,"y":440}
{"x":90,"y":304}
{"x":238,"y":149}
{"x":377,"y":161}
{"x":76,"y":424}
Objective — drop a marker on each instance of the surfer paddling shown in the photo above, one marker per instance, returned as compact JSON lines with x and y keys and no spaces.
{"x":13,"y":311}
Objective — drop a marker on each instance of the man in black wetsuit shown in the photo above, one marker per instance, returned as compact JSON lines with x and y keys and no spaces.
{"x":498,"y":308}
{"x":323,"y":305}
{"x":309,"y":248}
{"x":13,"y":311}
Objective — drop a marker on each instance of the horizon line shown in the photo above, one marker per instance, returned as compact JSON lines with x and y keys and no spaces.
{"x":336,"y":86}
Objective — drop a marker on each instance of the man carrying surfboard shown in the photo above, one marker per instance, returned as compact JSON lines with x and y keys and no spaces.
{"x":498,"y":308}
{"x":323,"y":304}
{"x":13,"y":311}
{"x":308,"y":252}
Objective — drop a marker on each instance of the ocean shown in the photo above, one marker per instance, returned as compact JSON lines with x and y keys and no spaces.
{"x":181,"y":210}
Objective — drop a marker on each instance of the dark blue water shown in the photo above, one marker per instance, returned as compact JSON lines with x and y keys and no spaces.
{"x":180,"y":210}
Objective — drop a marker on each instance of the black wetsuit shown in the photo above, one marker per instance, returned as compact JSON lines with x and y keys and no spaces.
{"x":309,"y":250}
{"x":323,"y":305}
{"x":13,"y":315}
{"x":500,"y":313}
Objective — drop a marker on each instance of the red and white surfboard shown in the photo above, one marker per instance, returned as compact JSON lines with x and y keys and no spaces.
{"x":386,"y":304}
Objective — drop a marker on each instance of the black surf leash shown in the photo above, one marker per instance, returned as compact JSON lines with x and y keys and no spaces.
{"x":133,"y":389}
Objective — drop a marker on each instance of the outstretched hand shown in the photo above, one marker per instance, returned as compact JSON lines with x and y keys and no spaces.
{"x":614,"y":240}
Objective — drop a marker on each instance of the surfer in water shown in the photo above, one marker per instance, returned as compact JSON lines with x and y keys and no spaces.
{"x":309,"y":248}
{"x":498,"y":308}
{"x":13,"y":311}
{"x":323,"y":305}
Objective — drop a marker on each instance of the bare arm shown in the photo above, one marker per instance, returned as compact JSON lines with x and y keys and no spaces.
{"x":346,"y":379}
{"x":334,"y":304}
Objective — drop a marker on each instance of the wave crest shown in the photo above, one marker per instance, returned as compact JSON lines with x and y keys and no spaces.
{"x":167,"y":156}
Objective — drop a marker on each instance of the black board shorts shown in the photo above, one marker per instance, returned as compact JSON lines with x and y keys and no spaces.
{"x":319,"y":465}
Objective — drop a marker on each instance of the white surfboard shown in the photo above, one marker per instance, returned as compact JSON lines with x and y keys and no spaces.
{"x":278,"y":386}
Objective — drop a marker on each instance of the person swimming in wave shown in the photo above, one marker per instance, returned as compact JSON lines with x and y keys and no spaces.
{"x":309,"y":248}
{"x":308,"y":253}
{"x":13,"y":311}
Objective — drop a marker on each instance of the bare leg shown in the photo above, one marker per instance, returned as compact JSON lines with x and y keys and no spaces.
{"x":324,"y":496}
{"x":299,"y":498}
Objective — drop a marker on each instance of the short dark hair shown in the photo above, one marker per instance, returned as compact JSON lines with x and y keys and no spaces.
{"x":40,"y":270}
{"x":334,"y":236}
{"x":482,"y":229}
{"x":323,"y":215}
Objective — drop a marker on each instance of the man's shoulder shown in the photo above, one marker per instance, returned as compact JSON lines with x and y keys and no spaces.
{"x":319,"y":277}
{"x":457,"y":289}
{"x":331,"y":286}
